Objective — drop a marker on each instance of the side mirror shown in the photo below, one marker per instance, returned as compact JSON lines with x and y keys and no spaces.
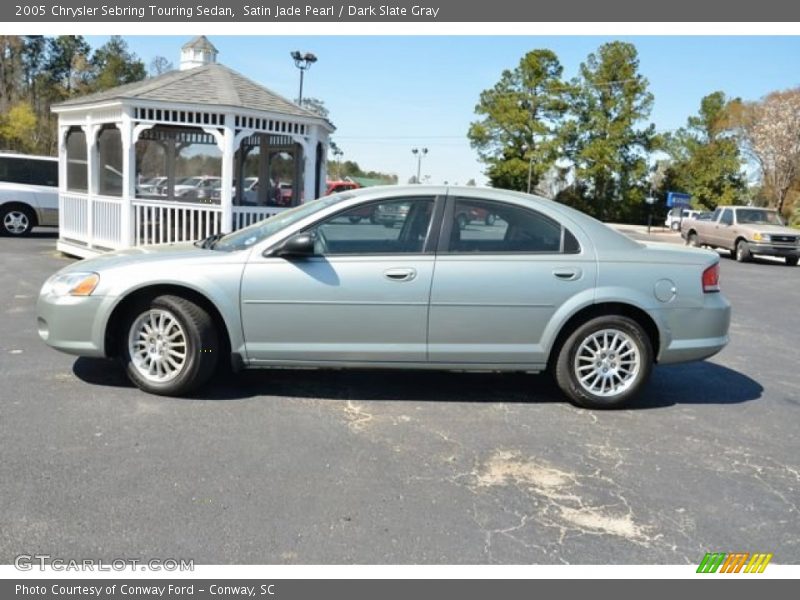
{"x":299,"y":245}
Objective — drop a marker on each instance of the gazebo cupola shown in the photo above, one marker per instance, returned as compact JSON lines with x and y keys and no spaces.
{"x":177,"y":157}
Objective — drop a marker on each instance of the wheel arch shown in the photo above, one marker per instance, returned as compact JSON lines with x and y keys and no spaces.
{"x":600,"y":309}
{"x":115,"y":321}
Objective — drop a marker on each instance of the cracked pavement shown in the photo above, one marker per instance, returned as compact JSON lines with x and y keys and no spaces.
{"x":390,"y":467}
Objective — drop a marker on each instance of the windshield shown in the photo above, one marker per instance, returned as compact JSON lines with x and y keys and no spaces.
{"x":758,"y":216}
{"x":244,"y":238}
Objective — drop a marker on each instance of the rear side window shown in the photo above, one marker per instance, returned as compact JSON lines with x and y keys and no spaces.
{"x":43,"y":172}
{"x":496,"y":227}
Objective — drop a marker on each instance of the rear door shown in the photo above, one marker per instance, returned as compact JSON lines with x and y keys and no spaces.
{"x":501,"y":273}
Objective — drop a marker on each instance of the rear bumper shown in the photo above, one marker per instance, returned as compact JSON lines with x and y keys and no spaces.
{"x":695,"y":333}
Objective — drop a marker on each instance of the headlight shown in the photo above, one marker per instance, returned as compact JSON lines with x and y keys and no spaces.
{"x":73,"y":284}
{"x":760,"y":237}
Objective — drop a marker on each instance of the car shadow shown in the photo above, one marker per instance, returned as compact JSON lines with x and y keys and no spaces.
{"x":43,"y":233}
{"x":691,"y":383}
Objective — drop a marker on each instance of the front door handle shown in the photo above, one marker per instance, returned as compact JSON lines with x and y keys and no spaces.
{"x":567,"y":274}
{"x":400,"y":274}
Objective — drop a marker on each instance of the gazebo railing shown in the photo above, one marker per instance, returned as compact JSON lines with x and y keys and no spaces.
{"x":244,"y":216}
{"x":96,"y":221}
{"x":92,"y":220}
{"x":157,"y":222}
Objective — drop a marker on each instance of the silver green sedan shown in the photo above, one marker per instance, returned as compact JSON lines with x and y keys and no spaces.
{"x":462,"y":279}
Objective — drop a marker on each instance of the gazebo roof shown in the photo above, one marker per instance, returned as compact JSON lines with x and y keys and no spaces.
{"x":212,"y":84}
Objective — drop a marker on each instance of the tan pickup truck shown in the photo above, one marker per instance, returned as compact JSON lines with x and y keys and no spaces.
{"x":745,"y":231}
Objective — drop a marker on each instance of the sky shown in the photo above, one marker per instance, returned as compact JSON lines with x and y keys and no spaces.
{"x":390,"y":94}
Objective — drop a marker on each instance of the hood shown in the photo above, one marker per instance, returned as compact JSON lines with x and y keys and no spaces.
{"x":147,"y":254}
{"x":776,"y":229}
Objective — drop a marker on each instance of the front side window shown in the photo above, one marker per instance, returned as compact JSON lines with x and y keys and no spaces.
{"x":43,"y":172}
{"x":387,"y":227}
{"x":496,"y":227}
{"x":727,"y":217}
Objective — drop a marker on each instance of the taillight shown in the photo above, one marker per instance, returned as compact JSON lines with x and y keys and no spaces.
{"x":711,"y":279}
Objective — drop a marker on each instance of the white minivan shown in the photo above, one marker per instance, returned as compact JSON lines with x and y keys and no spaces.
{"x":28,"y":193}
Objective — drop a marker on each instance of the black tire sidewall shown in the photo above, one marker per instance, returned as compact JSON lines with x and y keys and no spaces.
{"x":567,"y":379}
{"x":202,"y":346}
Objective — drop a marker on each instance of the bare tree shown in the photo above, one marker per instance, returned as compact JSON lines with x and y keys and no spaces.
{"x":160,"y":65}
{"x":770,"y":130}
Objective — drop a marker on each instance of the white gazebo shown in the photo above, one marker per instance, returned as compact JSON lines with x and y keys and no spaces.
{"x":148,"y":162}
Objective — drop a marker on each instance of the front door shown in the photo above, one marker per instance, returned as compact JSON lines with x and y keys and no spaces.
{"x":363,"y":296}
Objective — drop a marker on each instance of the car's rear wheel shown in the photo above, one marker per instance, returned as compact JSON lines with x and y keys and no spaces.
{"x":791,"y":261}
{"x":605,"y":362}
{"x":16,"y":221}
{"x":742,"y":252}
{"x":675,"y":226}
{"x":170,"y":346}
{"x":691,"y":240}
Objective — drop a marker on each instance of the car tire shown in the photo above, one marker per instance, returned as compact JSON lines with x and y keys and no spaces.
{"x":181,"y":353}
{"x":791,"y":261}
{"x":490,"y":219}
{"x":675,"y":226}
{"x":691,"y":240}
{"x":16,"y":221}
{"x":742,"y":252}
{"x":590,"y":370}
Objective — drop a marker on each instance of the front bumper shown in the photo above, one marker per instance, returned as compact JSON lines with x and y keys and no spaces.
{"x":696,"y":333}
{"x":767,"y":249}
{"x":72,"y":324}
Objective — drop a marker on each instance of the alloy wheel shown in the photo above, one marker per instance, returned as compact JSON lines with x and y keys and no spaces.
{"x":607,"y":362}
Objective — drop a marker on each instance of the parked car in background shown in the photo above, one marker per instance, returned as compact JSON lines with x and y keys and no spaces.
{"x":153,"y":186}
{"x":199,"y":187}
{"x":744,"y":231}
{"x":677,"y":214}
{"x":545,"y":288}
{"x":28,"y":193}
{"x":334,"y":187}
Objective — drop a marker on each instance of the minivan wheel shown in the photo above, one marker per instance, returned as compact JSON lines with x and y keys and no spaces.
{"x":605,"y":362}
{"x":16,"y":221}
{"x":170,"y":346}
{"x":743,"y":252}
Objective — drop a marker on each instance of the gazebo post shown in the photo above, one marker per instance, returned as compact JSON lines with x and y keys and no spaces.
{"x":91,"y":178}
{"x":128,"y":178}
{"x":309,"y":168}
{"x":226,"y":192}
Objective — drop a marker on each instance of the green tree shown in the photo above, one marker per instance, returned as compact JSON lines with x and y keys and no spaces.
{"x":66,"y":65}
{"x":520,"y":120}
{"x":705,"y":159}
{"x":18,"y":128}
{"x":115,"y":65}
{"x":607,"y":143}
{"x":316,"y":106}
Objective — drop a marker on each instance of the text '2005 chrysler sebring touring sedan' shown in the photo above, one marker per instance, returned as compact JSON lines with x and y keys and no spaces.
{"x":529,"y":286}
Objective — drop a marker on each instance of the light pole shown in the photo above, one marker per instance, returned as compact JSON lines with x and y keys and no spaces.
{"x":419,"y":153}
{"x":302,"y":62}
{"x":337,"y":155}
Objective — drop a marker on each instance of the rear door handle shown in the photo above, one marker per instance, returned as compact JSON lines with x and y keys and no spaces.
{"x":400,"y":274}
{"x":567,"y":274}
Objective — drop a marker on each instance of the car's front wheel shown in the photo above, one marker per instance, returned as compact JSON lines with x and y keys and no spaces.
{"x":742,"y":252}
{"x":605,"y":362}
{"x":791,"y":261}
{"x":170,"y":346}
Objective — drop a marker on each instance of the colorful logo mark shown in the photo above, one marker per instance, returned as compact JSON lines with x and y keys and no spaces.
{"x":734,"y":562}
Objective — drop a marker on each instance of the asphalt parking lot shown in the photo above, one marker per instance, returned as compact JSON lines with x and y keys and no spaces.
{"x":376,"y":467}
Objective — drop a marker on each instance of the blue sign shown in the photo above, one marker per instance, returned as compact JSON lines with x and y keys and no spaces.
{"x":678,"y":199}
